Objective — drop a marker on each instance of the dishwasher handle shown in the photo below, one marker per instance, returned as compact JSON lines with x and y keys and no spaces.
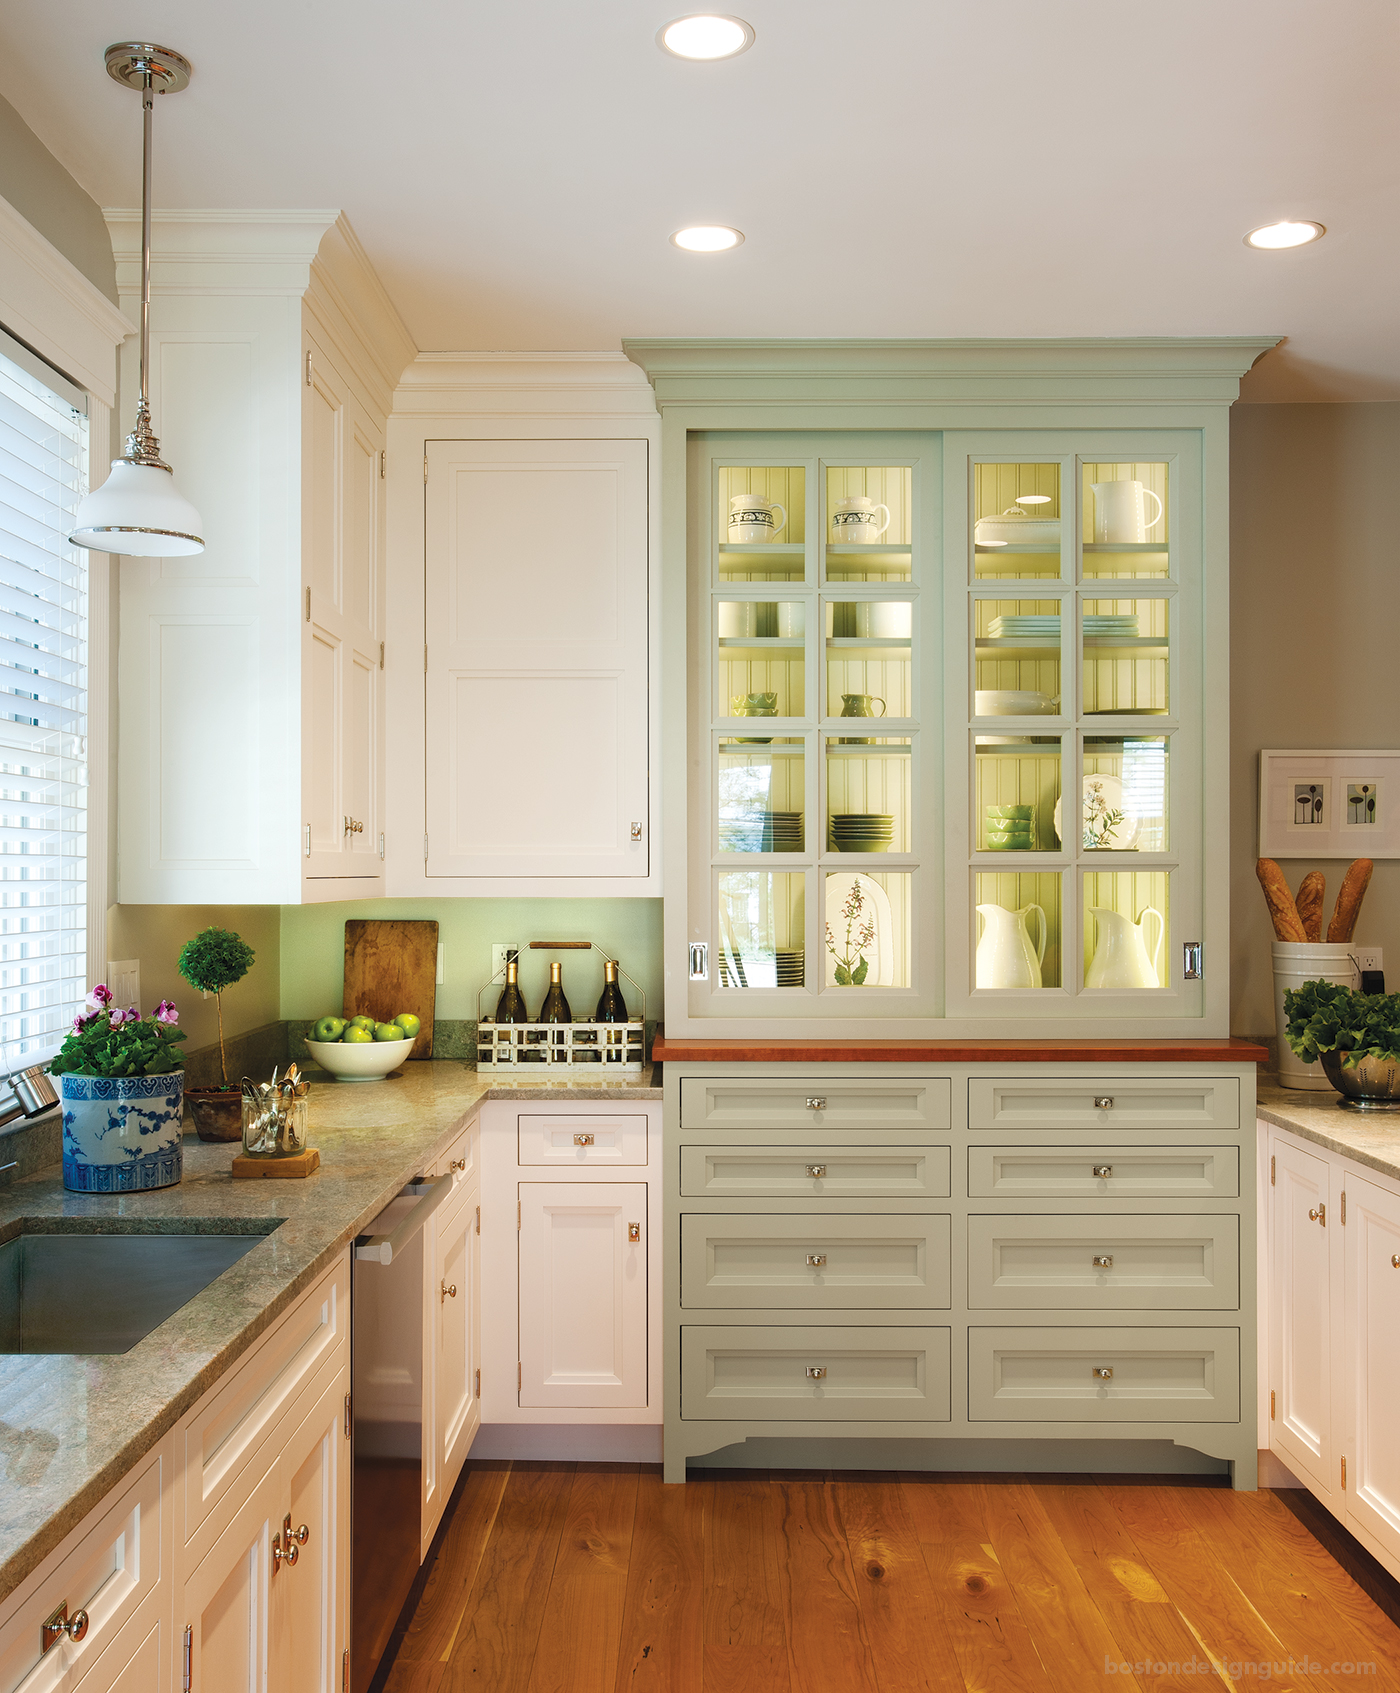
{"x":380,"y":1248}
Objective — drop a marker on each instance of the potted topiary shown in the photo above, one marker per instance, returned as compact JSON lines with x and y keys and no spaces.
{"x":121,"y":1080}
{"x":214,"y":960}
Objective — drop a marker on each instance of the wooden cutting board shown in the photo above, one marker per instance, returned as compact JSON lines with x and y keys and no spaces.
{"x":391,"y":966}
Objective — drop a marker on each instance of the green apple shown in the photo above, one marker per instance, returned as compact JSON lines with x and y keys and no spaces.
{"x":329,"y":1029}
{"x":362,"y":1022}
{"x":409,"y":1024}
{"x":355,"y":1035}
{"x":387,"y":1031}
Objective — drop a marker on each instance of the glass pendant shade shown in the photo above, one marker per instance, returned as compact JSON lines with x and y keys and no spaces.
{"x":138,"y":510}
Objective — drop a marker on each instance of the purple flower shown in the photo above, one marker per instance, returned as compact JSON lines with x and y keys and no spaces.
{"x":118,"y":1019}
{"x":99,"y":999}
{"x":166,"y":1013}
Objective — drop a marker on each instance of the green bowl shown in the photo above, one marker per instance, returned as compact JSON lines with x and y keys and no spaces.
{"x":1018,"y":812}
{"x":997,"y":841}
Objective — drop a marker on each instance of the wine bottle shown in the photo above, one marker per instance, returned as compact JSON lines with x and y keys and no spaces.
{"x":611,"y":1008}
{"x":510,"y":1008}
{"x":555,"y":1008}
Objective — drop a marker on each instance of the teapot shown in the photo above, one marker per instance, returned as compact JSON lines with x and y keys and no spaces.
{"x":1120,"y":959}
{"x":1005,"y":957}
{"x":751,"y":518}
{"x":858,"y":705}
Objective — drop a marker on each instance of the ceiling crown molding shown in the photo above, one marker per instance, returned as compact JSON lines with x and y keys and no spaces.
{"x":534,"y":384}
{"x":246,"y":251}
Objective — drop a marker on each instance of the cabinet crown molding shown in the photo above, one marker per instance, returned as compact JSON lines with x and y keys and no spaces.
{"x":442,"y":384}
{"x":219,"y":252}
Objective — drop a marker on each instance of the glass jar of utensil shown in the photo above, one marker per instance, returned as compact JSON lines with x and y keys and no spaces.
{"x":274,"y":1115}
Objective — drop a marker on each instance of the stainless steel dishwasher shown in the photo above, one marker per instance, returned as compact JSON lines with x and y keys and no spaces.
{"x":388,"y":1362}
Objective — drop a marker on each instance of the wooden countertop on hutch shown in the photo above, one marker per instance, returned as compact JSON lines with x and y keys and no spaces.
{"x":1209,"y":1051}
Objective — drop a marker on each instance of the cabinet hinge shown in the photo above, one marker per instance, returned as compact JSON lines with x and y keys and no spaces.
{"x":519,"y":1376}
{"x":308,"y":604}
{"x":478,"y":1384}
{"x":383,"y":459}
{"x":187,"y":1671}
{"x":308,"y":367}
{"x":345,"y":1671}
{"x":478,"y":1219}
{"x":1344,"y":1207}
{"x":1344,"y":1474}
{"x":1273,"y":1170}
{"x":349,"y":1417}
{"x":517,"y":1216}
{"x":425,"y":470}
{"x":381,"y":843}
{"x":306,"y":831}
{"x":425,"y":849}
{"x":425,"y":661}
{"x":1272,"y":1407}
{"x":381,"y":655}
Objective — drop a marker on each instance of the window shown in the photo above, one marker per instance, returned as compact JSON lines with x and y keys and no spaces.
{"x":43,"y":708}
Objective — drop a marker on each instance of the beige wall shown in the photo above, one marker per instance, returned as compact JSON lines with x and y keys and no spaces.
{"x":1314,"y":631}
{"x":45,"y":195}
{"x":155,"y":935}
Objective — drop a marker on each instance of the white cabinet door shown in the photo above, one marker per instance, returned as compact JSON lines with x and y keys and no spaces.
{"x":1371,"y":1380}
{"x":457,"y":1302}
{"x":1302,"y":1317}
{"x":536,"y":630}
{"x":310,"y":1616}
{"x":226,"y":1601}
{"x":583,"y":1294}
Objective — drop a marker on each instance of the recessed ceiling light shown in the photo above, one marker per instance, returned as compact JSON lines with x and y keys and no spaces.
{"x":707,"y":238}
{"x":706,"y":35}
{"x":1285,"y":234}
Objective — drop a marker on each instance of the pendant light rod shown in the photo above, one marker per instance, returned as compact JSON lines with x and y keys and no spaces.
{"x":148,"y":101}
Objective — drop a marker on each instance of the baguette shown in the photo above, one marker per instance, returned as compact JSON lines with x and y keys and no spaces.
{"x":1312,"y":892}
{"x":1348,"y":906}
{"x":1288,"y":926}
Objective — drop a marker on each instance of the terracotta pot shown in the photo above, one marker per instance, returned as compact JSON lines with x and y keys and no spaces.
{"x":217,"y":1112}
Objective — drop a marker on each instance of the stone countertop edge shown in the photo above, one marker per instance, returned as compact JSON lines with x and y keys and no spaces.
{"x":1369,"y":1139}
{"x":73,"y":1426}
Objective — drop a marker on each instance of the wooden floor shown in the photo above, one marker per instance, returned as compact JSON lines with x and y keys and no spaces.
{"x":597,"y":1578}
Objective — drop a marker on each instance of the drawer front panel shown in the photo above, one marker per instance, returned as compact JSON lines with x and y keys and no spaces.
{"x":813,"y":1103}
{"x":1103,"y":1172}
{"x":461,"y":1157}
{"x":816,"y":1375}
{"x":1028,"y":1375}
{"x":1131,"y":1102}
{"x":584,"y":1141}
{"x":819,"y":1262}
{"x":816,"y":1172}
{"x":1154,"y":1263}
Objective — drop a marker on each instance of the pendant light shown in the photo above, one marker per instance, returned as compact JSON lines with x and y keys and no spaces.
{"x":138,"y":509}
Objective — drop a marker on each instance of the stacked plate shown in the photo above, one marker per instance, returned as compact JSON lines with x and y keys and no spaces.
{"x":862,"y":831}
{"x":1047,"y":628}
{"x":789,"y":963}
{"x":765,"y":831}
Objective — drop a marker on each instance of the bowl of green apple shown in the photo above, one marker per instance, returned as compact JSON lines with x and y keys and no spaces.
{"x":358,"y":1049}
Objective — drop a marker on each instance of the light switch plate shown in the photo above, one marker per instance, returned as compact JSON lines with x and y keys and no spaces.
{"x":124,"y":979}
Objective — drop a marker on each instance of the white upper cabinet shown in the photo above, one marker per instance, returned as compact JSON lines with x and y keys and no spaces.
{"x":251,"y":701}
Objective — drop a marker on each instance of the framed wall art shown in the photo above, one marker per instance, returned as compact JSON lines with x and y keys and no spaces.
{"x":1329,"y":804}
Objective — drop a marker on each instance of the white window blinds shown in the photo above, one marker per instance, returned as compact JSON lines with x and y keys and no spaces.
{"x":43,"y":709}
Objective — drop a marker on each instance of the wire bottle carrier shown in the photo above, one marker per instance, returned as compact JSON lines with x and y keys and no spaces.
{"x":614,"y":1049}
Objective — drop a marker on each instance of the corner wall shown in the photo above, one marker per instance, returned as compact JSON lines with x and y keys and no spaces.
{"x":63,"y":212}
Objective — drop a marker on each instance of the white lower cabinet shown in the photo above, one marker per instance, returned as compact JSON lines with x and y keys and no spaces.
{"x":1334,"y":1369}
{"x":454,"y":1308}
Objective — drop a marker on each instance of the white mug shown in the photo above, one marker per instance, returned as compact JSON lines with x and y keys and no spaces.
{"x":792,"y":618}
{"x":1119,"y":513}
{"x":891,"y":619}
{"x":751,"y":518}
{"x":737,"y":618}
{"x":854,"y":520}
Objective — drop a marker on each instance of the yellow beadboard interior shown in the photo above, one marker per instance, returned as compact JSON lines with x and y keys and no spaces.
{"x":995,"y":487}
{"x":883,"y":679}
{"x":879,"y":785}
{"x":1016,"y":890}
{"x":888,"y":485}
{"x":1005,"y":777}
{"x":1041,"y":674}
{"x":1122,"y":682}
{"x":1130,"y":892}
{"x":1153,"y":476}
{"x":787,"y":484}
{"x":782,"y":674}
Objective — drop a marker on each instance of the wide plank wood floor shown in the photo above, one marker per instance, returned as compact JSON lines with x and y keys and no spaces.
{"x":597,"y":1578}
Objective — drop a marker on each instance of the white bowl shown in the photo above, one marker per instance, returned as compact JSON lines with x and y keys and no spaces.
{"x":360,"y":1061}
{"x":1012,"y":530}
{"x":1012,"y":702}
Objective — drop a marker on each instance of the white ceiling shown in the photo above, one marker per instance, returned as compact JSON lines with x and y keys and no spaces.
{"x":900,"y":168}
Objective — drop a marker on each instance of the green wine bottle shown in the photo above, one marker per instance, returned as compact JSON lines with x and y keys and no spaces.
{"x":510,"y":1008}
{"x":611,"y":1008}
{"x":555,"y":1008}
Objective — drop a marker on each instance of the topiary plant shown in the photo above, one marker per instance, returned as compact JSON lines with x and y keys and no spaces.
{"x":214,"y":960}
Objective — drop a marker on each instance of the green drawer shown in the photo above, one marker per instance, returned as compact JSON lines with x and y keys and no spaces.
{"x":1047,"y":1375}
{"x":816,"y":1172}
{"x":1113,"y":1261}
{"x":816,"y":1375}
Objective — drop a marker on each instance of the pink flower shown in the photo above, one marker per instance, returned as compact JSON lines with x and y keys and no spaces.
{"x":99,"y":999}
{"x":166,"y":1013}
{"x":118,"y":1018}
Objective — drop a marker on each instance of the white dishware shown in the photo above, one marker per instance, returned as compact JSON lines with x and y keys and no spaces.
{"x":737,"y":619}
{"x":792,"y":618}
{"x":1103,"y":795}
{"x":891,"y":619}
{"x":875,"y":909}
{"x":359,"y":1061}
{"x":1120,"y":514}
{"x":752,"y":518}
{"x":1014,"y":528}
{"x":854,"y":520}
{"x":1013,"y":702}
{"x":1005,"y":956}
{"x":1121,"y":958}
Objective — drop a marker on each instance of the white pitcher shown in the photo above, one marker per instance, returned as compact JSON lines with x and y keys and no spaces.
{"x":753,"y":518}
{"x":1005,"y":956}
{"x":1120,"y":959}
{"x":1119,"y":512}
{"x":854,"y":520}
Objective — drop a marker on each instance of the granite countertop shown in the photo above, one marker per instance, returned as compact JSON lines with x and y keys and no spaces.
{"x":1370,"y":1138}
{"x":72,"y":1426}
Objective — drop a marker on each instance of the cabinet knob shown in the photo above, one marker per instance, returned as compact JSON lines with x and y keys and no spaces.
{"x":449,"y":1292}
{"x":303,"y":1534}
{"x":1103,"y":1171}
{"x":1395,"y":1260}
{"x":458,"y":1164}
{"x":1103,"y":1260}
{"x":58,"y":1623}
{"x":1103,"y":1102}
{"x":1103,"y":1372}
{"x":284,"y":1545}
{"x":1318,"y":1215}
{"x":816,"y":1260}
{"x":352,"y":827}
{"x":817,"y":1103}
{"x":816,"y":1372}
{"x":634,"y":1231}
{"x":583,"y":1140}
{"x":636,"y":831}
{"x":816,"y":1171}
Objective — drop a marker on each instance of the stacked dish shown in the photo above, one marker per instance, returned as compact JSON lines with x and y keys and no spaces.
{"x":1046,"y":627}
{"x":764,"y":831}
{"x":1009,"y":828}
{"x":862,"y":831}
{"x":788,"y":962}
{"x":1013,"y":702}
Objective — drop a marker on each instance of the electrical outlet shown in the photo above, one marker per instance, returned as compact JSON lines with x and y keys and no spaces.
{"x":1367,"y":957}
{"x":501,"y":954}
{"x":124,"y":979}
{"x":442,"y":965}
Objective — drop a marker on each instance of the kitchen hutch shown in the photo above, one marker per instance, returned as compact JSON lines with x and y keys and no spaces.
{"x":945,"y":650}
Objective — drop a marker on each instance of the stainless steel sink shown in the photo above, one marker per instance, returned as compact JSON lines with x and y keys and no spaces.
{"x":86,"y":1292}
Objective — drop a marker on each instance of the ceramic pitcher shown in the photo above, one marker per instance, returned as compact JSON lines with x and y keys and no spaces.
{"x":1120,"y":958}
{"x":858,"y":705}
{"x":1005,"y":956}
{"x":751,"y":518}
{"x":854,"y":520}
{"x":1119,"y":512}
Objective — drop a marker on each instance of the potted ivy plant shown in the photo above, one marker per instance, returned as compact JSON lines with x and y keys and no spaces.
{"x":214,"y":960}
{"x":1355,"y":1035}
{"x":121,"y":1081}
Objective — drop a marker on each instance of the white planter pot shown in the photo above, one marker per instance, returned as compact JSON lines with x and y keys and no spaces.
{"x":121,"y":1134}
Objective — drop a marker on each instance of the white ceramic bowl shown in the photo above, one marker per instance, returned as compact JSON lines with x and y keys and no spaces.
{"x":1010,"y":530}
{"x":360,"y":1061}
{"x":1011,"y":702}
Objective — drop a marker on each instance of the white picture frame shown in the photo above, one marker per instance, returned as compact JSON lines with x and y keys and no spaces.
{"x":1329,"y":803}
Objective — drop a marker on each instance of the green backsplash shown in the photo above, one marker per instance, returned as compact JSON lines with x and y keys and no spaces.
{"x":313,"y":949}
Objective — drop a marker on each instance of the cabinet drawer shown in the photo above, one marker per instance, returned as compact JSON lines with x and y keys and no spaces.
{"x":111,"y":1571}
{"x":584,"y":1141}
{"x":1073,"y":1172}
{"x":872,"y":1262}
{"x":769,"y":1375}
{"x":1155,"y":1263}
{"x":461,"y":1157}
{"x":1032,"y":1375}
{"x":811,"y":1102}
{"x":816,"y":1172}
{"x":1131,"y":1102}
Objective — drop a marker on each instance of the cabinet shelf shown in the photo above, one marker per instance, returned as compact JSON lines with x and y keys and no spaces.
{"x":1105,"y":646}
{"x":877,"y":646}
{"x":870,"y":549}
{"x":764,"y":549}
{"x":761,"y":643}
{"x":1014,"y":547}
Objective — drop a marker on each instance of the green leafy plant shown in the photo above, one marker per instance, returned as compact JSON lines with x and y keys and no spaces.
{"x":214,"y":960}
{"x":1325,"y":1017}
{"x":105,"y":1041}
{"x":1101,"y":820}
{"x":852,"y":966}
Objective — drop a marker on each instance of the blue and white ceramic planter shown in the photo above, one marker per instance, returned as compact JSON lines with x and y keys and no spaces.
{"x":121,"y":1134}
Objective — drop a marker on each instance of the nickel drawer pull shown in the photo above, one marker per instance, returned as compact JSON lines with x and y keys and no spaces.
{"x":58,"y":1623}
{"x":1103,"y":1102}
{"x":1103,"y":1372}
{"x":817,"y":1102}
{"x":816,"y":1260}
{"x":816,"y":1171}
{"x":583,"y":1140}
{"x":1103,"y":1260}
{"x":816,"y":1372}
{"x":1103,"y":1171}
